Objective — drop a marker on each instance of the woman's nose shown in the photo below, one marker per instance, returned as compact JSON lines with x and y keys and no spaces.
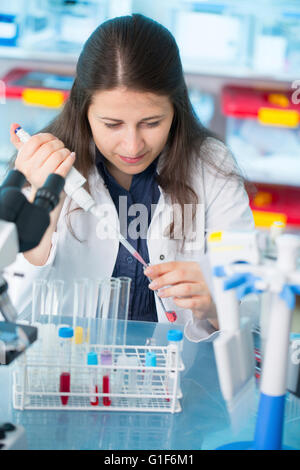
{"x":133,"y":144}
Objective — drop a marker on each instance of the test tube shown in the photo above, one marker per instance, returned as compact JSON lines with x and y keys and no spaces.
{"x":65,"y":337}
{"x":148,"y":375}
{"x":39,"y":292}
{"x":108,"y":310}
{"x":92,"y":360}
{"x":174,"y":348}
{"x":93,"y":289}
{"x":54,"y":300}
{"x":132,"y":378}
{"x":80,"y":297}
{"x":109,"y":303}
{"x":125,"y":284}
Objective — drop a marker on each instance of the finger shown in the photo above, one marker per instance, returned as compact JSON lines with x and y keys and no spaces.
{"x":175,"y":277}
{"x":158,"y":269}
{"x":199,"y":302}
{"x":66,"y":165}
{"x":49,"y":151}
{"x":29,"y":149}
{"x":183,"y":290}
{"x":13,"y":137}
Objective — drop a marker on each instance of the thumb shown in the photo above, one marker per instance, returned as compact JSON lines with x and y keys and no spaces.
{"x":13,"y":137}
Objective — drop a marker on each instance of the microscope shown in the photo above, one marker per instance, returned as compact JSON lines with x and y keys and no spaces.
{"x":22,"y":226}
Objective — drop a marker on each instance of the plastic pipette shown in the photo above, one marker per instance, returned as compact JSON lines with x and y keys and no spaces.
{"x":74,"y":189}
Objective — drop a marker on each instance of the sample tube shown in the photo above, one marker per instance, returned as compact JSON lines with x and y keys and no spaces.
{"x":39,"y":292}
{"x":109,"y":303}
{"x":65,"y":337}
{"x":125,"y":283}
{"x":132,"y":378}
{"x":148,"y":376}
{"x":174,"y":348}
{"x":80,"y":297}
{"x":93,"y":289}
{"x":54,"y":300}
{"x":92,"y":360}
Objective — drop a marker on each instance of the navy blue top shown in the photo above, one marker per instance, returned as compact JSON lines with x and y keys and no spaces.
{"x":143,"y":190}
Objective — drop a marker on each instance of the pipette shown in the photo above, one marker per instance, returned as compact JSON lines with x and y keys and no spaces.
{"x":74,"y":189}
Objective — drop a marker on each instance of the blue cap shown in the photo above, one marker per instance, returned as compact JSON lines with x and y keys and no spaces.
{"x":175,"y":335}
{"x":92,"y":359}
{"x":150,"y":359}
{"x":65,"y":332}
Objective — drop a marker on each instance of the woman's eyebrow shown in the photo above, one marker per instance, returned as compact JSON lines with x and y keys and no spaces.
{"x":144,"y":119}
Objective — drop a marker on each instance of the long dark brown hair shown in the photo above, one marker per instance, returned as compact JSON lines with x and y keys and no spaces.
{"x":140,"y":54}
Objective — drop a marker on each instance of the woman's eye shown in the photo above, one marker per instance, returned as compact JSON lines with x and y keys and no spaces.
{"x":111,"y":125}
{"x":148,"y":124}
{"x":153,"y":124}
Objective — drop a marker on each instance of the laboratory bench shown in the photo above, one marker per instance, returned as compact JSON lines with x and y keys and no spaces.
{"x":204,"y":423}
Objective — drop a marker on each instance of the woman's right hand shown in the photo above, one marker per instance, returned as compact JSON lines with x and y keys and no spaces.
{"x":41,"y":155}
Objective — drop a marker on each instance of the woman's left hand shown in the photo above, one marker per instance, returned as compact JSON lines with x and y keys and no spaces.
{"x":186,"y":285}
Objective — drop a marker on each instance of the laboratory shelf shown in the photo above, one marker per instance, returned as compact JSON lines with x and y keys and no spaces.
{"x":20,"y":53}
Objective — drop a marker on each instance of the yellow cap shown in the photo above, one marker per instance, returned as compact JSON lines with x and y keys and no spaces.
{"x":78,"y":336}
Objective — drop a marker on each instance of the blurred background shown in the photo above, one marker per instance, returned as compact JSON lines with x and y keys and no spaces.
{"x":242,"y":65}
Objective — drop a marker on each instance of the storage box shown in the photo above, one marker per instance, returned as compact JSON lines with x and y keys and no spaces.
{"x":31,"y":99}
{"x":263,"y":132}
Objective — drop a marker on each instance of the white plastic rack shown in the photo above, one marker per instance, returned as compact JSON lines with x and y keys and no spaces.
{"x":133,"y":386}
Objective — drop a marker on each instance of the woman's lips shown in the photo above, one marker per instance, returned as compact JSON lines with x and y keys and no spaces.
{"x":132,"y":160}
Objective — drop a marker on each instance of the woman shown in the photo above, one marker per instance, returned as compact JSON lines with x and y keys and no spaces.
{"x":138,"y":142}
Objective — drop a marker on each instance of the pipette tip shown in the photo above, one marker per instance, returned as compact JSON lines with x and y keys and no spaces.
{"x":171,"y":316}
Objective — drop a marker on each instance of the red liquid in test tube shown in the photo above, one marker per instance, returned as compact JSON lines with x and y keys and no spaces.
{"x":105,"y":387}
{"x":64,"y":386}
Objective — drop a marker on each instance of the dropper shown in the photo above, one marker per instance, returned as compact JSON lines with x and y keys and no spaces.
{"x":74,"y":189}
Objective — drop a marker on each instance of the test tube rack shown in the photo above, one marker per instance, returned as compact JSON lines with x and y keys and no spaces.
{"x":36,"y":380}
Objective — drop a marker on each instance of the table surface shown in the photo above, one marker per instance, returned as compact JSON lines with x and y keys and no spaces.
{"x":203,"y":423}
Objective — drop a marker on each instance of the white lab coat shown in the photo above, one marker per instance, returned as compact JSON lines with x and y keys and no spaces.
{"x":224,"y":205}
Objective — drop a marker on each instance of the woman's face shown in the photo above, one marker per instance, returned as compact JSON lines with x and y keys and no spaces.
{"x":130,"y":128}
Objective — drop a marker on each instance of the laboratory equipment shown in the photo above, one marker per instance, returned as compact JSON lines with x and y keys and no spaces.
{"x":17,"y":235}
{"x":54,"y":301}
{"x":80,"y":300}
{"x":74,"y":189}
{"x":39,"y":293}
{"x":198,"y":23}
{"x":61,"y":26}
{"x":148,"y":376}
{"x":11,"y":22}
{"x":91,"y":307}
{"x":124,"y":296}
{"x":262,"y":131}
{"x":282,"y":279}
{"x":122,"y":390}
{"x":175,"y":345}
{"x":109,"y":303}
{"x":36,"y":97}
{"x":65,"y":336}
{"x":92,"y":360}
